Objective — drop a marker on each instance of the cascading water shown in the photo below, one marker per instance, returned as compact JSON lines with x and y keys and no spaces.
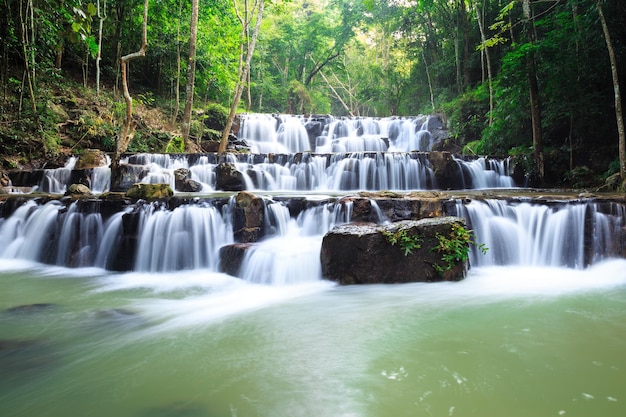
{"x":187,"y":237}
{"x":535,"y":328}
{"x":55,"y":180}
{"x":483,"y":173}
{"x":292,"y":255}
{"x":532,"y":234}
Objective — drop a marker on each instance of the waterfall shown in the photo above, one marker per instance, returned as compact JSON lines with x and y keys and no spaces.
{"x":532,"y":234}
{"x":483,"y":173}
{"x":153,"y":237}
{"x":52,"y":233}
{"x":187,"y":237}
{"x":292,"y":255}
{"x":56,"y":180}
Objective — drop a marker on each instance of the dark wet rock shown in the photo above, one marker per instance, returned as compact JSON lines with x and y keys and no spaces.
{"x":228,"y":178}
{"x":248,"y":217}
{"x":361,"y":253}
{"x":448,"y":173}
{"x":232,"y":256}
{"x":30,"y":308}
{"x":184,"y":183}
{"x":126,"y":176}
{"x":149,"y":191}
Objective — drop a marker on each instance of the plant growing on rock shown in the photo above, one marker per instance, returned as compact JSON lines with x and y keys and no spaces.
{"x":455,"y":247}
{"x":401,"y":237}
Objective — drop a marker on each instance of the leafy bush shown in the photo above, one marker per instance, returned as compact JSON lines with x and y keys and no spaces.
{"x":216,"y":116}
{"x":455,"y":247}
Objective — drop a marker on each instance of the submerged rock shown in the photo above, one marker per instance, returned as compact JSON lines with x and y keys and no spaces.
{"x":24,"y":355}
{"x":30,"y":308}
{"x":406,"y":251}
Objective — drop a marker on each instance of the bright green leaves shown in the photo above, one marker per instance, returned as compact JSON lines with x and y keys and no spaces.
{"x":80,"y":21}
{"x":455,"y":247}
{"x":407,"y":241}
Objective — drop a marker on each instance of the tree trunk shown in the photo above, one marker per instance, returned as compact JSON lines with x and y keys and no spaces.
{"x":535,"y":103}
{"x":101,"y":18}
{"x":243,"y":76}
{"x":483,"y":37}
{"x":177,"y":92}
{"x":430,"y":84}
{"x":618,"y":96}
{"x":126,"y":134}
{"x":29,"y":76}
{"x":191,"y":74}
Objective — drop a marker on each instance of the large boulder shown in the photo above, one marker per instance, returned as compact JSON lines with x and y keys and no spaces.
{"x":91,"y":158}
{"x":249,"y":217}
{"x":232,"y":256}
{"x":78,"y":189}
{"x":123,"y":178}
{"x":447,"y":171}
{"x":184,"y":183}
{"x":406,"y":251}
{"x":228,"y":178}
{"x":149,"y":191}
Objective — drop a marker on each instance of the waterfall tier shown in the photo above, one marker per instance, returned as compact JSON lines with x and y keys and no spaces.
{"x":188,"y":233}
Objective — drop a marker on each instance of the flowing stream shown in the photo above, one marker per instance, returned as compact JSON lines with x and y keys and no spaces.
{"x":537,"y":328}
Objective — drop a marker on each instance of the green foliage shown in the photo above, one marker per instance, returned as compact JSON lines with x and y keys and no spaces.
{"x":407,"y":242}
{"x":467,"y":113}
{"x":455,"y":247}
{"x":175,"y":145}
{"x":216,"y":116}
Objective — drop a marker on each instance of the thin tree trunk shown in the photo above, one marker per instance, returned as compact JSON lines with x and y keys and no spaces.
{"x":191,"y":74}
{"x":243,"y":76}
{"x":617,"y":93}
{"x":177,"y":92}
{"x":483,"y":37}
{"x":29,"y":76}
{"x":126,"y":134}
{"x":101,"y":18}
{"x":430,"y":84}
{"x":466,"y":44}
{"x":535,"y":102}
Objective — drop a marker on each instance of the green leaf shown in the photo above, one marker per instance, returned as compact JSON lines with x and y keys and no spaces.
{"x":91,"y":9}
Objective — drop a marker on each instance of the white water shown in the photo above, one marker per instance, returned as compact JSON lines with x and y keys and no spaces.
{"x":287,"y":134}
{"x":190,"y":236}
{"x":533,"y":234}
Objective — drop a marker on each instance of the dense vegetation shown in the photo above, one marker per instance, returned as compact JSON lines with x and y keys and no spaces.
{"x":484,"y":64}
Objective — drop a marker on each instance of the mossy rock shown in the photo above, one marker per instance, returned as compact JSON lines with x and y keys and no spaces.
{"x":215,"y":117}
{"x":91,"y":158}
{"x":149,"y":191}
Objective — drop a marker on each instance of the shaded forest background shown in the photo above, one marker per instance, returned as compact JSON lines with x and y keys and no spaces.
{"x":476,"y":62}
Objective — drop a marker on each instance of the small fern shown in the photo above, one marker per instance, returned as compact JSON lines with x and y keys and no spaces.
{"x":455,"y":247}
{"x":406,"y":241}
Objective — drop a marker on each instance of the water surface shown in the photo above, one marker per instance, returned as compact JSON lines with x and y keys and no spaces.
{"x":507,"y":341}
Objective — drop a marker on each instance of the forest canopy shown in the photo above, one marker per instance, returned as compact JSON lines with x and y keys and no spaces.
{"x":528,"y":78}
